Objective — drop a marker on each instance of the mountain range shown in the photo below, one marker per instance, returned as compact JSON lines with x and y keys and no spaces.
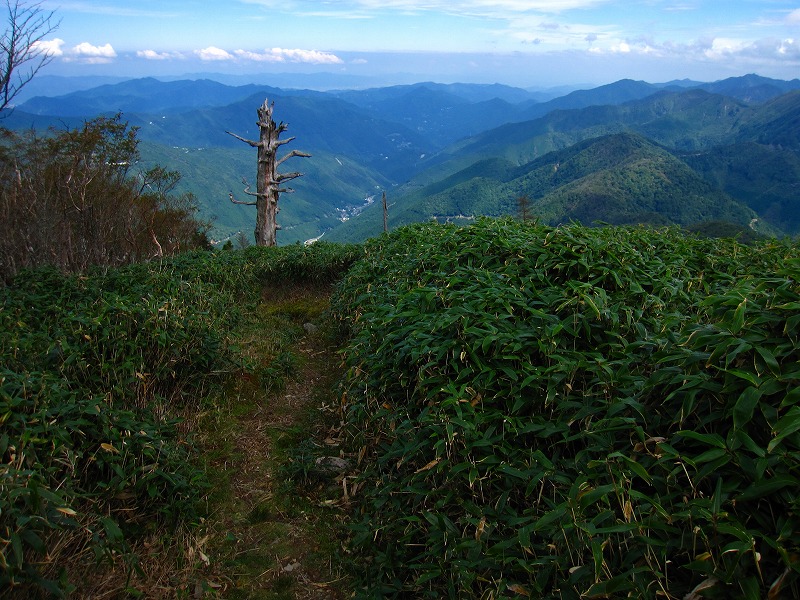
{"x":680,"y":152}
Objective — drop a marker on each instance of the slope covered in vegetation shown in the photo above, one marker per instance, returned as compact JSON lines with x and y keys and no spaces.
{"x":535,"y":411}
{"x":572,"y":412}
{"x":107,"y":380}
{"x":618,"y":179}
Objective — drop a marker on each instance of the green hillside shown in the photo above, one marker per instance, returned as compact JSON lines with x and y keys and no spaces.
{"x":330,"y":188}
{"x":624,"y":179}
{"x":687,"y":120}
{"x":618,"y":179}
{"x":764,"y":177}
{"x":323,"y":124}
{"x":776,"y":122}
{"x":463,"y":180}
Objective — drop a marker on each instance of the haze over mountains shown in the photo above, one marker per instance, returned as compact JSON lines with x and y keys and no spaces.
{"x":681,"y":152}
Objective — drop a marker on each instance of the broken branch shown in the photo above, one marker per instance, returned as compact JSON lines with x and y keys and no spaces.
{"x":230,"y":195}
{"x":292,"y":154}
{"x":246,"y":141}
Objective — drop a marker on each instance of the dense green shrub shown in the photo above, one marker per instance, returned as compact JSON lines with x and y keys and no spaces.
{"x":79,"y":463}
{"x":94,"y":372}
{"x":573,"y":412}
{"x":321,"y":262}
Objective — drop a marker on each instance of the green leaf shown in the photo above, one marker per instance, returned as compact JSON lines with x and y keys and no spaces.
{"x":744,"y":407}
{"x":634,"y":466}
{"x":738,"y":532}
{"x":792,"y":397}
{"x":113,"y":532}
{"x":716,"y":502}
{"x":33,"y":540}
{"x":750,"y":444}
{"x":550,"y":517}
{"x":709,"y":456}
{"x":751,"y":588}
{"x":710,"y":439}
{"x":769,"y":360}
{"x":786,"y":426}
{"x":18,"y":556}
{"x":738,"y":317}
{"x":766,"y":487}
{"x":751,"y":378}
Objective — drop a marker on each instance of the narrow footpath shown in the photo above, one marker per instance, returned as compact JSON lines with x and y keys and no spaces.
{"x":277,"y":524}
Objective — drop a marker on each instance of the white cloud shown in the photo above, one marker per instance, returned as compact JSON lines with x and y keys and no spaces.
{"x":789,"y":48}
{"x":782,"y":50}
{"x":548,"y":6}
{"x":49,"y":47}
{"x":281,"y":55}
{"x":87,"y":49}
{"x":308,"y":56}
{"x":793,"y":18}
{"x":91,"y":54}
{"x":258,"y":56}
{"x":273,"y":55}
{"x":724,"y":47}
{"x":724,"y":50}
{"x":213,"y":53}
{"x":153,"y":55}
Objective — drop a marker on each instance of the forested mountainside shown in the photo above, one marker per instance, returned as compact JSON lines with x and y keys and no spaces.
{"x":695,"y":128}
{"x":436,"y":150}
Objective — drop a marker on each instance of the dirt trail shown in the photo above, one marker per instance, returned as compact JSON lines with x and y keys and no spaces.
{"x":281,"y":539}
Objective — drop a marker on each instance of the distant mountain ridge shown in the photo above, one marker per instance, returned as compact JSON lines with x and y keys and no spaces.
{"x":751,"y":88}
{"x":457,"y":150}
{"x":146,"y":95}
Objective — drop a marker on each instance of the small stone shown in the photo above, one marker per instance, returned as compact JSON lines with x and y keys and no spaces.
{"x":330,"y":466}
{"x":310,"y":328}
{"x":291,"y":567}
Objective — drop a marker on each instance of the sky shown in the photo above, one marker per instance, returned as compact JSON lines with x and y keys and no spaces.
{"x":526,"y":43}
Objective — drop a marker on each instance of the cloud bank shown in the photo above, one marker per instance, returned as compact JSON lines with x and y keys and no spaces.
{"x":90,"y":54}
{"x":274,"y":55}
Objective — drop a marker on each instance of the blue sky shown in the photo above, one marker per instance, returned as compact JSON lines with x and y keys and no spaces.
{"x":519,"y":42}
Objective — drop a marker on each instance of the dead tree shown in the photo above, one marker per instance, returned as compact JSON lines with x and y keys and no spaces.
{"x":385,"y":213}
{"x":523,"y":207}
{"x":22,"y":53}
{"x":269,"y":183}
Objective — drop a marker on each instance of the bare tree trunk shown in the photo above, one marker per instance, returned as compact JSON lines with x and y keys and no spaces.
{"x":268,"y":179}
{"x":267,"y":194}
{"x":385,"y":213}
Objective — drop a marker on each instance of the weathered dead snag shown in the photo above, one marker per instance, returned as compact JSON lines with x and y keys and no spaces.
{"x":269,"y":182}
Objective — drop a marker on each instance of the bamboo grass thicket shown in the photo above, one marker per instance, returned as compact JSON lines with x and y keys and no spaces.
{"x":569,"y":412}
